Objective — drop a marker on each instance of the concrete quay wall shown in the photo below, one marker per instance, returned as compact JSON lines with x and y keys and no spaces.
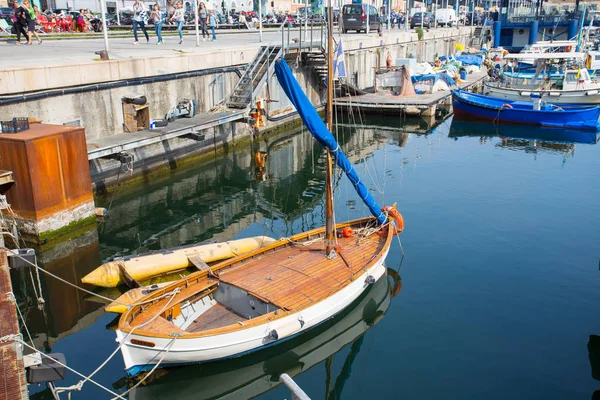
{"x":100,"y":112}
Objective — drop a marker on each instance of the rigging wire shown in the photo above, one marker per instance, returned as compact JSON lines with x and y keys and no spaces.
{"x":17,"y":338}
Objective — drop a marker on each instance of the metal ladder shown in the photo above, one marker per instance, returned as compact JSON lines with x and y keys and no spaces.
{"x":255,"y":76}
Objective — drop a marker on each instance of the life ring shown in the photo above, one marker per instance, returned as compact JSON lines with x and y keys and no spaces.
{"x":506,"y":105}
{"x":398,"y":219}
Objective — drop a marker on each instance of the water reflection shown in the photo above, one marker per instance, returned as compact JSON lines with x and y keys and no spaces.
{"x":594,"y":355}
{"x":65,"y":310}
{"x":210,"y":202}
{"x":249,"y":376}
{"x":523,"y":137}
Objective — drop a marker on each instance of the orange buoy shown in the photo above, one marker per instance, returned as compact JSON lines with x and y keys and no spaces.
{"x":398,"y":218}
{"x":347,"y":232}
{"x":506,"y":105}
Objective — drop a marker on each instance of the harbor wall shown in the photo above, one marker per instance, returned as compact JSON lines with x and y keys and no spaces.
{"x":100,"y":111}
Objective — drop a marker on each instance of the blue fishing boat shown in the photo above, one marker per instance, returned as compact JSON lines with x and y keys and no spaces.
{"x":475,"y":106}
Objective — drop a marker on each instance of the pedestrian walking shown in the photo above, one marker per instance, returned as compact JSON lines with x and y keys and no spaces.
{"x":139,"y":19}
{"x":31,"y":19}
{"x":242,"y":20}
{"x":20,"y":22}
{"x":212,"y":21}
{"x":203,"y":19}
{"x":157,"y":19}
{"x":179,"y":18}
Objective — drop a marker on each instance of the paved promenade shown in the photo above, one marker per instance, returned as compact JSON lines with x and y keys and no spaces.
{"x":68,"y":51}
{"x":60,"y":63}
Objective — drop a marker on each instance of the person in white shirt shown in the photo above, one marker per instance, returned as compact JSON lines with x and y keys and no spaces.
{"x":179,"y":17}
{"x":139,"y":19}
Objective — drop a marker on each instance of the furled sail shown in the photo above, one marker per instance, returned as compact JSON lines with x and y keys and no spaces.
{"x":317,"y":128}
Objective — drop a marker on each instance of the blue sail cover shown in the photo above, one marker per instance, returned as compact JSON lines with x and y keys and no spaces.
{"x":317,"y":128}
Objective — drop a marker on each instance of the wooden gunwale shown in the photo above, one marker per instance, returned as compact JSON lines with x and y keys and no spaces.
{"x":231,"y":265}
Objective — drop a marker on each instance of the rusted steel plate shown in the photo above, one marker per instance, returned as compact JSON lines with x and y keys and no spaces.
{"x":50,"y":168}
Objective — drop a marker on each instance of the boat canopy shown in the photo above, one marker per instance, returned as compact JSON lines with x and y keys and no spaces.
{"x":555,"y":43}
{"x":313,"y":122}
{"x":544,"y":56}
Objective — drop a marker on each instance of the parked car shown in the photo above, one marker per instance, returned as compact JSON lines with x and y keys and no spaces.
{"x":445,"y":16}
{"x":5,"y":13}
{"x":354,"y":17}
{"x":477,"y":18}
{"x":428,"y":20}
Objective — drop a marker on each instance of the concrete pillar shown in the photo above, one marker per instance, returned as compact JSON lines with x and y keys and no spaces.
{"x":52,"y":194}
{"x":533,"y":31}
{"x":497,"y":30}
{"x":572,"y":29}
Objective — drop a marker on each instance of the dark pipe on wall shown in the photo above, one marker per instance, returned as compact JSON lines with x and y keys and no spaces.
{"x":6,"y":100}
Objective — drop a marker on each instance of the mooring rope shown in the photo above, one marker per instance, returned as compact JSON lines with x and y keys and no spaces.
{"x":78,"y":386}
{"x":128,"y":305}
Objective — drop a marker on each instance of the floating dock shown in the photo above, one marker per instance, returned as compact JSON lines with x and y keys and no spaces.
{"x":422,"y":104}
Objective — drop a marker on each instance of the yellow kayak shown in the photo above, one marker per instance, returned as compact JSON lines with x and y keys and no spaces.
{"x":149,"y":265}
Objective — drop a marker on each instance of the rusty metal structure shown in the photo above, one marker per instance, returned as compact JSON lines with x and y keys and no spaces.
{"x":50,"y":167}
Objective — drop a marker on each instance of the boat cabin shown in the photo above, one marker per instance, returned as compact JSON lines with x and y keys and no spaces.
{"x":575,"y":79}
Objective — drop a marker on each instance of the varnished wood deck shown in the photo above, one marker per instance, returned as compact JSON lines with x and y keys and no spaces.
{"x":295,"y":277}
{"x":289,"y":276}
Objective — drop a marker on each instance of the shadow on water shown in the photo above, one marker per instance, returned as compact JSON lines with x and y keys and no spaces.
{"x":594,"y":354}
{"x":65,"y":310}
{"x":252,"y":375}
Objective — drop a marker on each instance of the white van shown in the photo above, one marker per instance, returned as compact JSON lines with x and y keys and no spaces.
{"x":445,"y":16}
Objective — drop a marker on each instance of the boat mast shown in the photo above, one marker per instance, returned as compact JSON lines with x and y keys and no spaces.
{"x":329,"y":200}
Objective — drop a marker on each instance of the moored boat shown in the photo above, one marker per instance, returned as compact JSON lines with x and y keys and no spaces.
{"x":248,"y":377}
{"x":272,"y":294}
{"x":474,"y":106}
{"x":573,"y":86}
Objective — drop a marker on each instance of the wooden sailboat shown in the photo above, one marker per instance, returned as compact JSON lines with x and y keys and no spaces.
{"x":274,"y":293}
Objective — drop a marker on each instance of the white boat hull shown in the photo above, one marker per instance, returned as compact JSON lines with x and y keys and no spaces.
{"x":178,"y":351}
{"x":247,"y":381}
{"x":580,"y":97}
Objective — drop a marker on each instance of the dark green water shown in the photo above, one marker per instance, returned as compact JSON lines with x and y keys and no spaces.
{"x":500,"y":285}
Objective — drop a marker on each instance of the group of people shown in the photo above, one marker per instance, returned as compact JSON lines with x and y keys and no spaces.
{"x":84,"y":20}
{"x":206,"y":19}
{"x":24,"y":19}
